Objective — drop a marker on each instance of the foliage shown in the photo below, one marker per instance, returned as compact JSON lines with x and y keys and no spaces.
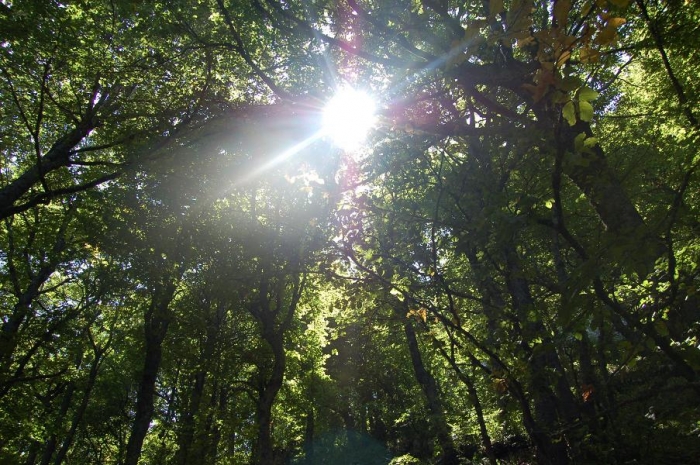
{"x":507,"y":272}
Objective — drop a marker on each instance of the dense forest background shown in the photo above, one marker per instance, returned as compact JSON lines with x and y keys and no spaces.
{"x":506,"y":271}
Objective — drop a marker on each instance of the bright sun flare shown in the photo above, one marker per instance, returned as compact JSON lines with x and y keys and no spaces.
{"x":348,"y":117}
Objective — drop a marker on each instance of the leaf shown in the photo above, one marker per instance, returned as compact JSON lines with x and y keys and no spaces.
{"x":570,"y":83}
{"x":606,"y":35}
{"x":417,"y":7}
{"x":586,"y":111}
{"x":587,"y":391}
{"x":495,"y":7}
{"x":561,"y":12}
{"x":569,"y":113}
{"x":586,"y":9}
{"x":563,"y":58}
{"x":589,"y":55}
{"x":661,"y":327}
{"x":579,"y":141}
{"x":616,"y":22}
{"x":590,"y":142}
{"x":587,"y":94}
{"x":397,"y":293}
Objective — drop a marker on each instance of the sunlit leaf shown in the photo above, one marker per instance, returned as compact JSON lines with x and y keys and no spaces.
{"x":586,"y":111}
{"x":569,"y":113}
{"x":587,"y":94}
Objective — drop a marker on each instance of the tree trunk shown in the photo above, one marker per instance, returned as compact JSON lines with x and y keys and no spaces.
{"x":263,"y":452}
{"x":21,"y":310}
{"x":430,"y":390}
{"x":218,"y":404}
{"x":186,"y":436}
{"x":478,"y":409}
{"x":309,"y":436}
{"x":50,"y":446}
{"x":158,"y":317}
{"x":80,"y":412}
{"x":275,"y":319}
{"x":623,"y":223}
{"x":549,"y":409}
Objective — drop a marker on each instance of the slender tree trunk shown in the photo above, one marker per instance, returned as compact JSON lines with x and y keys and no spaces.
{"x":430,"y":390}
{"x":80,"y":412}
{"x":158,"y":317}
{"x":186,"y":436}
{"x":493,"y":309}
{"x":474,"y":398}
{"x":218,"y":405}
{"x":22,"y":309}
{"x":52,"y":442}
{"x":275,"y":319}
{"x":549,"y":409}
{"x":263,"y":453}
{"x":309,"y":436}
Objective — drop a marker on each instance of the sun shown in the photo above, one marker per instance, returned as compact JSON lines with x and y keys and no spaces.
{"x":348,"y":118}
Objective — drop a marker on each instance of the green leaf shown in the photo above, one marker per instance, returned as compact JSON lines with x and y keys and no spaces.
{"x":586,"y":94}
{"x":586,"y":110}
{"x":590,"y":142}
{"x":580,"y":142}
{"x":397,"y":293}
{"x":570,"y":83}
{"x":661,"y":328}
{"x":569,"y":113}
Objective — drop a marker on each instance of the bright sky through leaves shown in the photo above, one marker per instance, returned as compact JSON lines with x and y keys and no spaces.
{"x":348,"y":118}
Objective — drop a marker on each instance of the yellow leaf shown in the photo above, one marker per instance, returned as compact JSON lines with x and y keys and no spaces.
{"x":423,"y":313}
{"x":561,"y":12}
{"x":495,"y":7}
{"x":525,"y":41}
{"x":616,"y":22}
{"x":589,"y":55}
{"x":563,"y":58}
{"x":586,"y":9}
{"x":606,"y":35}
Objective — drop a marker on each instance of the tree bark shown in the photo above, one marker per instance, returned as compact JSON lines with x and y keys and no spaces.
{"x":263,"y":452}
{"x":82,"y":407}
{"x":158,"y":318}
{"x":476,"y":403}
{"x":52,"y":442}
{"x":430,"y":390}
{"x":275,"y":319}
{"x":309,"y":436}
{"x":22,"y":309}
{"x":186,"y":436}
{"x":550,"y":409}
{"x":57,"y":157}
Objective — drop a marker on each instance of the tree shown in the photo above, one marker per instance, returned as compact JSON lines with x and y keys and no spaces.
{"x":507,"y":271}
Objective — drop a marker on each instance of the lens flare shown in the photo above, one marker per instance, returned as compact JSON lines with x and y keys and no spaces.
{"x":348,"y":117}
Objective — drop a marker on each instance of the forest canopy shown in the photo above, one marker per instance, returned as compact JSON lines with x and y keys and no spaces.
{"x":343,"y":232}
